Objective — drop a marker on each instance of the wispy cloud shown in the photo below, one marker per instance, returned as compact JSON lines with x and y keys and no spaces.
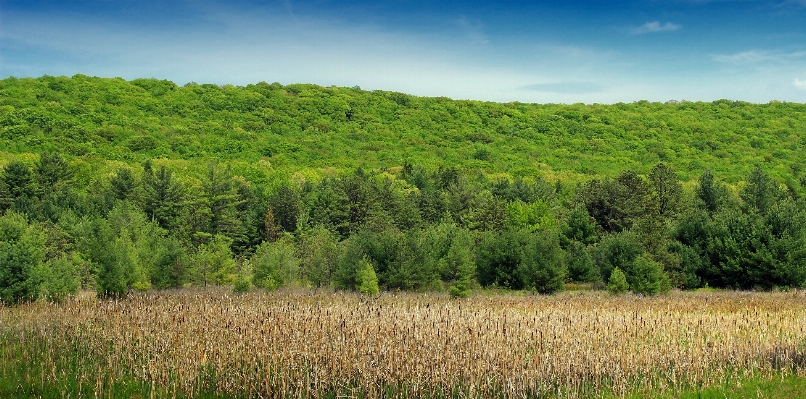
{"x":655,"y":27}
{"x":473,"y":30}
{"x":758,"y":56}
{"x":565,"y":87}
{"x":799,"y":84}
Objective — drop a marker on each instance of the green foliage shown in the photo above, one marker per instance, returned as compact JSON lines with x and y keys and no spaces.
{"x":21,"y":256}
{"x":617,"y":203}
{"x":171,"y":265}
{"x":581,"y":267}
{"x":617,"y":251}
{"x":530,"y":216}
{"x":274,"y":264}
{"x":666,"y":190}
{"x":163,"y":195}
{"x":216,"y":209}
{"x":319,"y":252}
{"x":285,"y":126}
{"x":760,"y":191}
{"x":19,"y":187}
{"x":431,"y":191}
{"x":499,"y":254}
{"x":242,"y":284}
{"x":542,"y":267}
{"x":648,"y":277}
{"x":116,"y":272}
{"x":61,"y":277}
{"x":579,"y":226}
{"x":711,"y":195}
{"x":366,"y":279}
{"x":455,"y":257}
{"x":51,"y":170}
{"x":617,"y":283}
{"x":213,"y":262}
{"x":286,"y":205}
{"x":344,"y":276}
{"x":123,"y":184}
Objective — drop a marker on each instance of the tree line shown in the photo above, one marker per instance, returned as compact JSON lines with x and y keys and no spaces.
{"x":150,"y":226}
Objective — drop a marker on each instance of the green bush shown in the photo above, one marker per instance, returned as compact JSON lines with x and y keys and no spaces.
{"x":274,"y":264}
{"x":366,"y":279}
{"x":61,"y":277}
{"x":648,"y":276}
{"x":617,"y":284}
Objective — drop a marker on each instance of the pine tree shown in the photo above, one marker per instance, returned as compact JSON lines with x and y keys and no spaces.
{"x":617,"y":284}
{"x":366,"y":279}
{"x":163,"y":196}
{"x":21,"y":255}
{"x":19,"y":185}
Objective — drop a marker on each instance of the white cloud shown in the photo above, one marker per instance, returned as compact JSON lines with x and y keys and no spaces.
{"x":799,"y":84}
{"x":757,"y":56}
{"x":654,"y":27}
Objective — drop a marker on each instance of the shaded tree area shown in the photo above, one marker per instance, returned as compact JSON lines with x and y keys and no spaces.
{"x":151,"y":228}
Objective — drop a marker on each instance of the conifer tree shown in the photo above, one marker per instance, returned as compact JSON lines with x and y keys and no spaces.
{"x":617,"y":283}
{"x":366,"y":279}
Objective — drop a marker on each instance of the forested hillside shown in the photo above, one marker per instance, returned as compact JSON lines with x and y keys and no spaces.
{"x":115,"y":185}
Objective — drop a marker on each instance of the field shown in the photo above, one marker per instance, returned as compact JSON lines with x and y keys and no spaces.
{"x":300,"y":343}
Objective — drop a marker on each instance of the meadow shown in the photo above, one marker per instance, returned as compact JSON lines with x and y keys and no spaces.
{"x":303,"y":343}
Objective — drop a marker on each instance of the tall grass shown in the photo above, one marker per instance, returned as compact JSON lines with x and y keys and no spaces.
{"x":301,"y":344}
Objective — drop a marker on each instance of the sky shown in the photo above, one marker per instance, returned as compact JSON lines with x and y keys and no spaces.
{"x":568,"y":51}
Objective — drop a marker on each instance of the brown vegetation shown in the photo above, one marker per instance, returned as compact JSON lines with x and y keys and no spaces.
{"x":300,"y":343}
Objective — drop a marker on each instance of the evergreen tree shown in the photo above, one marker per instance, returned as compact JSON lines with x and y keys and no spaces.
{"x":617,"y":283}
{"x":163,"y":196}
{"x":579,"y":226}
{"x":20,"y":186}
{"x":216,"y":211}
{"x":667,"y":190}
{"x":347,"y":267}
{"x":618,"y":251}
{"x":285,"y":205}
{"x":61,"y":277}
{"x":648,"y":277}
{"x":118,"y":272}
{"x":760,"y":191}
{"x":123,"y":184}
{"x":710,"y":194}
{"x":21,"y":256}
{"x":52,"y":169}
{"x":542,"y":267}
{"x":499,"y":254}
{"x":170,"y":266}
{"x":327,"y":205}
{"x":366,"y":279}
{"x":580,"y":264}
{"x":460,"y":258}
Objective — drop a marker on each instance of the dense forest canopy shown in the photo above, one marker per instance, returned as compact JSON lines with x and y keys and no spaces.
{"x":268,"y":128}
{"x":114,"y":185}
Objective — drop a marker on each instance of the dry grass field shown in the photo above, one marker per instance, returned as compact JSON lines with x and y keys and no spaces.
{"x":296,"y":343}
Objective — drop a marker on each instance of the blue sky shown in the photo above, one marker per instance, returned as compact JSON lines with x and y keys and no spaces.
{"x":550,"y":51}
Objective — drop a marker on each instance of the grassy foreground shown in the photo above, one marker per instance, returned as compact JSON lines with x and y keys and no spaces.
{"x":297,"y":343}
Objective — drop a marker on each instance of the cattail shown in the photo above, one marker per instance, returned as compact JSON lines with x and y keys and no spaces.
{"x":292,"y":344}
